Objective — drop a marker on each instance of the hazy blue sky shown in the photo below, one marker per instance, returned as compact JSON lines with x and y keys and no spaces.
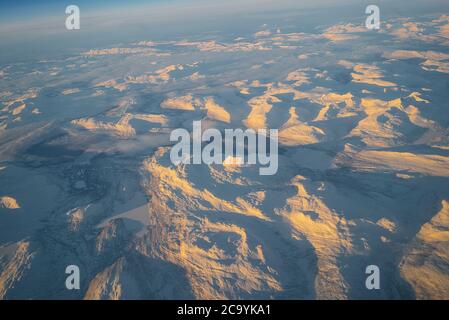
{"x":14,"y":11}
{"x":36,"y":28}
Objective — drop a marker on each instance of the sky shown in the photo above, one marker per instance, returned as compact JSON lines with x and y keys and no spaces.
{"x":27,"y":17}
{"x":29,"y":9}
{"x":22,"y":10}
{"x":30,"y":28}
{"x":19,"y":12}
